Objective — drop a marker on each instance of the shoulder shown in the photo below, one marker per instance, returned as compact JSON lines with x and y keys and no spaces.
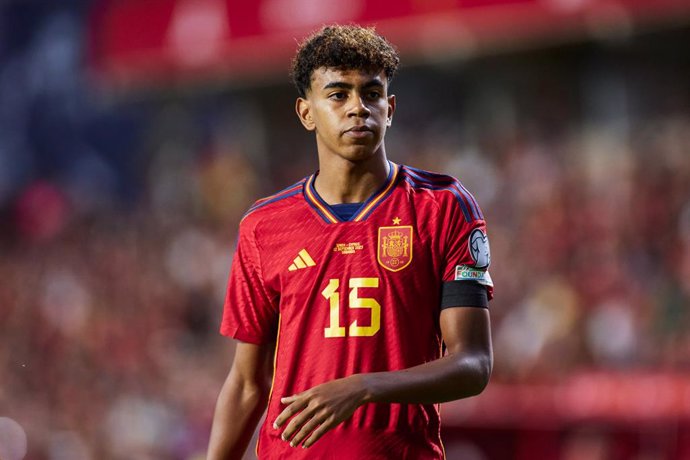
{"x":273,"y":206}
{"x":447,"y":191}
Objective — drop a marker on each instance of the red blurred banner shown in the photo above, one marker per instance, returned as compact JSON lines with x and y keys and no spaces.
{"x":615,"y":397}
{"x":170,"y":39}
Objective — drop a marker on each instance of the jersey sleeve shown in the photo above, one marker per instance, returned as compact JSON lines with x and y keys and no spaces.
{"x":467,"y":254}
{"x":250,"y":313}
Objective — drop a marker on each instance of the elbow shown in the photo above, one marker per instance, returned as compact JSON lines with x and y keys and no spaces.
{"x":255,"y":395}
{"x":246,"y":392}
{"x":484,"y":368}
{"x":476,"y":373}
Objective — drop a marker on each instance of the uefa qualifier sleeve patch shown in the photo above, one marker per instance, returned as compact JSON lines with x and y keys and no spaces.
{"x":479,"y":249}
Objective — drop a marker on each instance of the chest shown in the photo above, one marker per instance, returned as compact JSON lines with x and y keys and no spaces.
{"x":393,"y":249}
{"x":369,"y":279}
{"x":398,"y":248}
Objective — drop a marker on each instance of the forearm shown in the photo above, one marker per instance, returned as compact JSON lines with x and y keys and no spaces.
{"x":324,"y":406}
{"x":449,"y":378}
{"x":238,"y":410}
{"x":464,"y":372}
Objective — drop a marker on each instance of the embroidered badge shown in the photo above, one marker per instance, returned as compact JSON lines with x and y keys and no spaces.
{"x":395,"y":247}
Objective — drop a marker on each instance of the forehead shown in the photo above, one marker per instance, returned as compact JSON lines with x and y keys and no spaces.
{"x":356,"y":77}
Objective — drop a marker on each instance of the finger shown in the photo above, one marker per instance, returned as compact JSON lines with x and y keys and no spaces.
{"x":320,"y":431}
{"x":296,"y":423}
{"x":288,"y":412}
{"x":288,"y":399}
{"x":307,"y":428}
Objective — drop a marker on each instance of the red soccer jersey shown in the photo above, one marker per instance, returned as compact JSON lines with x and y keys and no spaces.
{"x":343,"y":298}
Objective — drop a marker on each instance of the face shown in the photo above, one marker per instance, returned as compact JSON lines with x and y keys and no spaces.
{"x":349,"y":110}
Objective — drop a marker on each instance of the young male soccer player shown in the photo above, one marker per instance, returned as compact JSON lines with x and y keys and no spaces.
{"x":345,"y":286}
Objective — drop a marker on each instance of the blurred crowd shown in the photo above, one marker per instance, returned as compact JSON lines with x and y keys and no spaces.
{"x":120,"y":212}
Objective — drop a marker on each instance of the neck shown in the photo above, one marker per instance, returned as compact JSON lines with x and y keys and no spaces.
{"x":344,"y":181}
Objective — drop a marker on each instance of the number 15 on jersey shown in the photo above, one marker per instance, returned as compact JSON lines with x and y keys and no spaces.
{"x":331,"y":293}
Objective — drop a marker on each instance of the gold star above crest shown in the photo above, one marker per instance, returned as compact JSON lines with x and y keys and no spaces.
{"x":396,"y":221}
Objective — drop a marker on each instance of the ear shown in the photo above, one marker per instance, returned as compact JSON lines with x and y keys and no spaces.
{"x":303,"y":109}
{"x":391,"y":109}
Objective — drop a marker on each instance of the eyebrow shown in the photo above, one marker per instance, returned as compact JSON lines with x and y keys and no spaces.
{"x":340,"y":84}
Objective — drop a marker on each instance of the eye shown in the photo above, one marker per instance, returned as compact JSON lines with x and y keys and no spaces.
{"x":339,"y":96}
{"x":374,"y":95}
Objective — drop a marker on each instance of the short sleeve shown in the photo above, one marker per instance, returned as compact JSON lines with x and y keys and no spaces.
{"x":467,"y":252}
{"x":250,"y":314}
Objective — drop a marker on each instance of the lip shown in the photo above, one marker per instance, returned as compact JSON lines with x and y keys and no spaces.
{"x":359,"y":131}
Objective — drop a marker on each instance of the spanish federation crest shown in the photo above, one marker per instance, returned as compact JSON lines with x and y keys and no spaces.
{"x":395,"y":247}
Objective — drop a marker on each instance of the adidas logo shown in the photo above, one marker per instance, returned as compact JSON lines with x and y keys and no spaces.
{"x":303,"y":260}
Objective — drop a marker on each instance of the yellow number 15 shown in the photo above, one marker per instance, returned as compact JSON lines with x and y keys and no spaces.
{"x":334,"y":329}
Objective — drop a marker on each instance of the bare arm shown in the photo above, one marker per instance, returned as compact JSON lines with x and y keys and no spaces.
{"x":241,"y":402}
{"x":463,"y":372}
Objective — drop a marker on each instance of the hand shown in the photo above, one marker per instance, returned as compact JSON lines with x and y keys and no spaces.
{"x":319,"y":409}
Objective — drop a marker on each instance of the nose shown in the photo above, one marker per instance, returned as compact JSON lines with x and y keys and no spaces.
{"x":359,"y":108}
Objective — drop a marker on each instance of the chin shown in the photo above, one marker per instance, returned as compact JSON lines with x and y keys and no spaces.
{"x":361,"y":152}
{"x":358,"y":156}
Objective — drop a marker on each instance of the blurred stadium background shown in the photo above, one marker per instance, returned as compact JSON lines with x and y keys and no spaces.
{"x":134,"y":134}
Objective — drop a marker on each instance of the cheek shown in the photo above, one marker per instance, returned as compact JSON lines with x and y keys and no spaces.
{"x":325,"y":117}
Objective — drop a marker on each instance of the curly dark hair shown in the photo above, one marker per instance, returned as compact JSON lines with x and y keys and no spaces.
{"x":343,"y":47}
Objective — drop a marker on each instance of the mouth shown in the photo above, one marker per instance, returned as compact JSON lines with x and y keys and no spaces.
{"x":361,"y":130}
